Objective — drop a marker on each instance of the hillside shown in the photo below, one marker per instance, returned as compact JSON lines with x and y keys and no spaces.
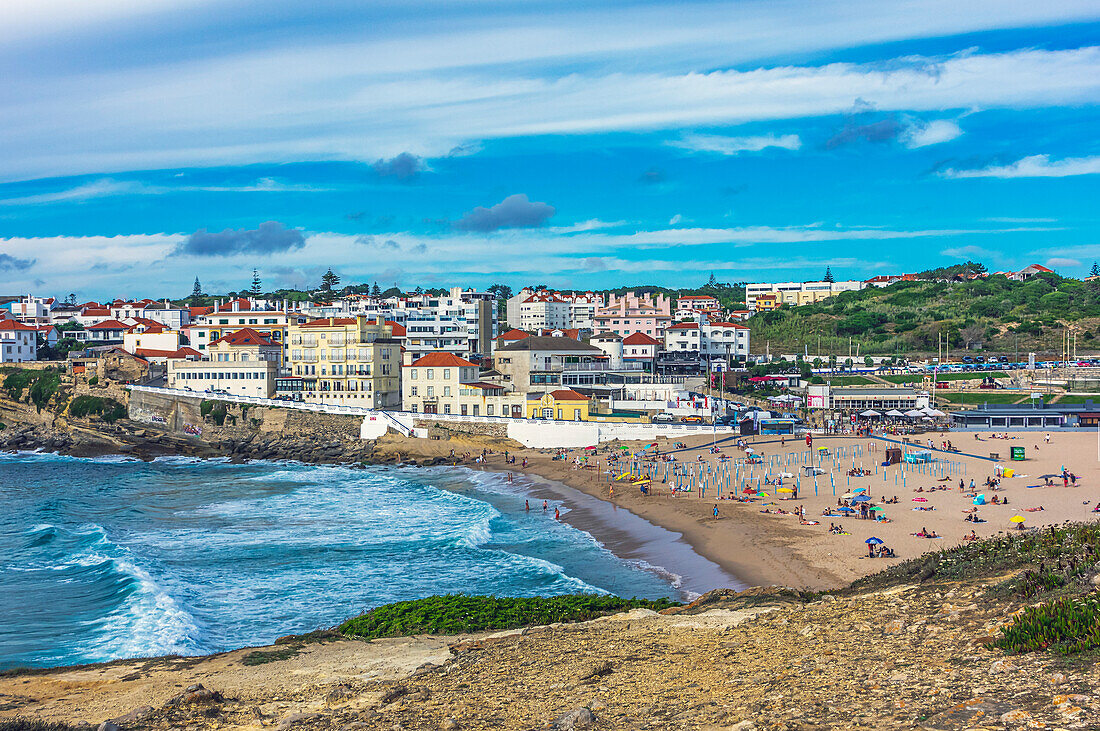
{"x":996,"y":313}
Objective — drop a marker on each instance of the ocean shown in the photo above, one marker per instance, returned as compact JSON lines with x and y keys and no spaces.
{"x":110,"y":558}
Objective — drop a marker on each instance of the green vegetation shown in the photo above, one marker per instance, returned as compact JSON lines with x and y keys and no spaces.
{"x":1068,"y":626}
{"x":995,"y":312}
{"x":32,"y":724}
{"x":216,"y":410}
{"x":1075,"y":399}
{"x":261,"y":657}
{"x":93,"y":381}
{"x":976,"y":398}
{"x":106,"y":409}
{"x":917,"y":377}
{"x":459,"y":613}
{"x":40,"y":384}
{"x":851,"y":380}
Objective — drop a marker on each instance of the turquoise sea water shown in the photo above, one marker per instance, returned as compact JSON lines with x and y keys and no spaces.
{"x":109,"y":558}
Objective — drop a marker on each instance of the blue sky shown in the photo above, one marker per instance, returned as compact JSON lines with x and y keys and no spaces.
{"x":442,"y":142}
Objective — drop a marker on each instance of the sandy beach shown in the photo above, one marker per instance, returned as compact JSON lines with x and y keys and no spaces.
{"x":753,"y":547}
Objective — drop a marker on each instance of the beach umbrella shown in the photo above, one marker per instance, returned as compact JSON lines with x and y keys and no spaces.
{"x":846,"y":509}
{"x":764,"y":494}
{"x":785,"y":489}
{"x":860,"y":489}
{"x":785,"y":474}
{"x":894,"y":412}
{"x":872,"y":541}
{"x":878,"y":508}
{"x":913,"y":413}
{"x":846,"y":496}
{"x":920,"y":499}
{"x":870,"y":412}
{"x":861,"y":499}
{"x":589,"y":447}
{"x":1016,"y":519}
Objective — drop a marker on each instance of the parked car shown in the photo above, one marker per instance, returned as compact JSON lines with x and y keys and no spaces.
{"x":692,"y":420}
{"x":662,"y":419}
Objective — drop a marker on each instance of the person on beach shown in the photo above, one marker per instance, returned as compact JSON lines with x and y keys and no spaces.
{"x":527,"y":505}
{"x":716,"y":511}
{"x":557,"y":514}
{"x":545,"y":505}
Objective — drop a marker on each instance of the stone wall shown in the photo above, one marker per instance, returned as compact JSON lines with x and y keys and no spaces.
{"x":183,"y":415}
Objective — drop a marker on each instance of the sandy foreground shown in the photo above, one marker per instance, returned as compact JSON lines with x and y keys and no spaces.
{"x":762,"y":549}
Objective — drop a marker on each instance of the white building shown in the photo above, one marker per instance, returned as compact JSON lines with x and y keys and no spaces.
{"x":33,"y":310}
{"x":18,"y":342}
{"x":530,"y":310}
{"x":690,"y":306}
{"x":799,"y":293}
{"x":728,"y":340}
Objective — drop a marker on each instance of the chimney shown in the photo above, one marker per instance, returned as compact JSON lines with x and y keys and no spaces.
{"x":332,"y":321}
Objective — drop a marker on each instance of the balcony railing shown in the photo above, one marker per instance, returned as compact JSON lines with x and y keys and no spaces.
{"x":592,"y":367}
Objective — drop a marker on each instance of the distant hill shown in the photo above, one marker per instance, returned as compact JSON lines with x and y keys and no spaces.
{"x":994,"y":313}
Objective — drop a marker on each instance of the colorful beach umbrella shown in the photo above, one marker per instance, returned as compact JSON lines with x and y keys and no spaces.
{"x":860,"y":489}
{"x":785,"y":489}
{"x":872,"y":541}
{"x":1016,"y":519}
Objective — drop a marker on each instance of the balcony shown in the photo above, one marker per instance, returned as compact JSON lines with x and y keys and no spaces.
{"x":602,"y":366}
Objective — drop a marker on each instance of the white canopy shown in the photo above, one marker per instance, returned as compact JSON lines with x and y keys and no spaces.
{"x":894,"y":412}
{"x":869,"y":412}
{"x":935,"y":412}
{"x":914,"y":413}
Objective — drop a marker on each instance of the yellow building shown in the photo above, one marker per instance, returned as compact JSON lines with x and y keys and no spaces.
{"x":351,"y":361}
{"x":564,"y":404}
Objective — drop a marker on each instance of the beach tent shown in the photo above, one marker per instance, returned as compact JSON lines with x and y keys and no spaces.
{"x":894,"y":412}
{"x":936,"y":413}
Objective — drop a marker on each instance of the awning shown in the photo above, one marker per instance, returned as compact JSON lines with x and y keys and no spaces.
{"x":870,"y":412}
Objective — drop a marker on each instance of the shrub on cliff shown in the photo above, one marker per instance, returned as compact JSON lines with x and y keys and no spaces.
{"x":105,"y":408}
{"x":1068,"y":626}
{"x":460,"y":613}
{"x":42,"y":384}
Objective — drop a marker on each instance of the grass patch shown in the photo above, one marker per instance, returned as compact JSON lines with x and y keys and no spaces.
{"x":460,"y":613}
{"x":851,"y":380}
{"x":1053,"y":561}
{"x":105,"y":408}
{"x":981,"y":397}
{"x":32,"y":724}
{"x":1068,"y":626}
{"x":1079,"y":399}
{"x":40,"y":384}
{"x":262,"y":657}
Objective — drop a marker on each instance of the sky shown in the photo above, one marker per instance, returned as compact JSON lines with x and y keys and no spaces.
{"x":576,"y":144}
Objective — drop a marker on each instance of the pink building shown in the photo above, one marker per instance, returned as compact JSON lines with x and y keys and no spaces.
{"x":630,"y":313}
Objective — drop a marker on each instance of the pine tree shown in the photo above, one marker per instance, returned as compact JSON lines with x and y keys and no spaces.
{"x":828,"y":275}
{"x":257,"y":288}
{"x":329,"y":280}
{"x":1095,"y":272}
{"x":376,"y":291}
{"x":197,"y":291}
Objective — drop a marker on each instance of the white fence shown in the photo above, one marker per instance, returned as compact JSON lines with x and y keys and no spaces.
{"x":530,"y":432}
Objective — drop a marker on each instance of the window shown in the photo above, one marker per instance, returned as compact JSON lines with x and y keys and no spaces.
{"x":412,"y":373}
{"x":446,"y":408}
{"x":429,"y":373}
{"x":412,"y":391}
{"x":431,"y":391}
{"x":446,"y":390}
{"x":446,"y":374}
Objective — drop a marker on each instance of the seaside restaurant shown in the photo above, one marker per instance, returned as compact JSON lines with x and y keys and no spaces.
{"x":997,"y":417}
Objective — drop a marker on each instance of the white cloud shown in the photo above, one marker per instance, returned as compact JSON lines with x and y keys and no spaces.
{"x":1062,"y":262}
{"x":592,"y":224}
{"x":1033,"y":166}
{"x":734,"y":145}
{"x":347,"y":101}
{"x":931,"y":133}
{"x":675,"y":220}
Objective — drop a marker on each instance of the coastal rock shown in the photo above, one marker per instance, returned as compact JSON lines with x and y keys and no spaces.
{"x":577,"y":718}
{"x":594,"y":672}
{"x":108,"y":726}
{"x":138,"y":714}
{"x":296,"y":719}
{"x":196,"y":694}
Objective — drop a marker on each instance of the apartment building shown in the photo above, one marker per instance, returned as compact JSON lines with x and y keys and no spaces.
{"x":729,"y":340}
{"x":353,"y":361}
{"x":690,"y":306}
{"x":443,"y":383}
{"x":272,"y":324}
{"x":33,"y":310}
{"x":18,"y":342}
{"x":630,"y":313}
{"x":242,"y":363}
{"x":538,"y":363}
{"x":796,"y":293}
{"x":543,"y":309}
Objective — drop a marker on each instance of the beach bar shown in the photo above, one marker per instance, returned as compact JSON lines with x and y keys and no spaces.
{"x":1014,"y":416}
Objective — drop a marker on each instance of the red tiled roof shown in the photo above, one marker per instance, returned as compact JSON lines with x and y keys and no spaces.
{"x":568,"y":394}
{"x":329,"y":322}
{"x":514,"y":334}
{"x":698,"y":297}
{"x":482,"y":384}
{"x":109,"y":325}
{"x":734,"y":325}
{"x":684,"y":326}
{"x":242,"y":305}
{"x":16,"y":325}
{"x":96,"y":312}
{"x":175,"y":354}
{"x":398,"y":328}
{"x":442,"y":360}
{"x":200,"y":311}
{"x":640,"y":339}
{"x":244,"y":336}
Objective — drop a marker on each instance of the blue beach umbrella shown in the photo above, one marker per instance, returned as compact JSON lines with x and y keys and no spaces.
{"x":861,"y":499}
{"x":872,"y":541}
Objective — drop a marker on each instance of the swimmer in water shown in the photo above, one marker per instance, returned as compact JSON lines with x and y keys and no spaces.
{"x":545,"y":505}
{"x":557,"y":514}
{"x":527,"y":505}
